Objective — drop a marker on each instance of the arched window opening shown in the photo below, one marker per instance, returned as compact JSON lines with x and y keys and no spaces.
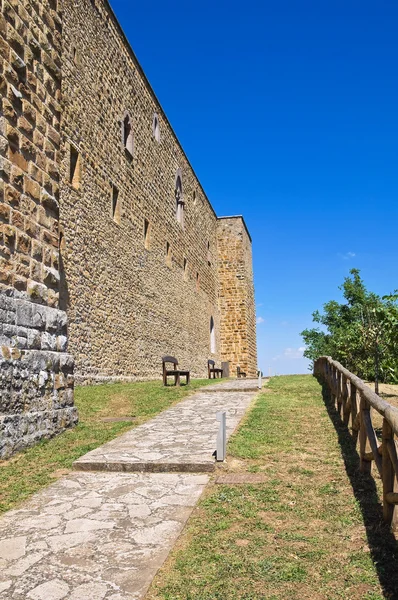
{"x":179,"y":200}
{"x":212,"y":336}
{"x":127,"y":135}
{"x":156,"y":128}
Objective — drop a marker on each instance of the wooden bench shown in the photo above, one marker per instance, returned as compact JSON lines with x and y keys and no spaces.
{"x":176,"y":373}
{"x":212,"y":370}
{"x":240,"y":373}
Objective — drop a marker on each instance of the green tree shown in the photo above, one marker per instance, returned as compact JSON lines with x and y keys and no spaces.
{"x":361,"y":333}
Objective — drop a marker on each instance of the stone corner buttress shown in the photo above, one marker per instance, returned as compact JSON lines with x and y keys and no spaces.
{"x":237,"y":307}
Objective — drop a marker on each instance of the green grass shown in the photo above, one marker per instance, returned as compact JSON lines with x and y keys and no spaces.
{"x":299,"y":535}
{"x":36,"y":467}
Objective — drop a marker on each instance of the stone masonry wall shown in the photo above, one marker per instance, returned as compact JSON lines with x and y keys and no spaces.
{"x":128,"y":305}
{"x":110,"y":228}
{"x":36,"y":373}
{"x":238,"y":321}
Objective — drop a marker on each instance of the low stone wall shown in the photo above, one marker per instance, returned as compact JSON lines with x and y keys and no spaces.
{"x":36,"y":373}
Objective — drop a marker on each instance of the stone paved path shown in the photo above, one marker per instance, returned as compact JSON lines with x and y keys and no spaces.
{"x":182,"y":438}
{"x":103,"y":535}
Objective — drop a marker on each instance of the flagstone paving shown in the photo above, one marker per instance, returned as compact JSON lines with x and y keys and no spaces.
{"x":182,"y":438}
{"x":93,"y":536}
{"x":103,"y":535}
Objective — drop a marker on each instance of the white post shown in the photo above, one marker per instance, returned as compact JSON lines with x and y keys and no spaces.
{"x":260,"y":381}
{"x":221,"y":436}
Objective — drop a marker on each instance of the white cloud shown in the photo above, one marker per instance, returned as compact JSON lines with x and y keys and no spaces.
{"x":260,"y":320}
{"x":347,"y":255}
{"x":291,"y":353}
{"x":260,"y":304}
{"x":294,"y":352}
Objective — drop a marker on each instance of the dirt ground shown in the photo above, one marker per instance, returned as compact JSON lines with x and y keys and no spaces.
{"x":388,"y":392}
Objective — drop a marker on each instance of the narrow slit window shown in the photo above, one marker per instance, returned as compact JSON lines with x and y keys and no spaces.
{"x":74,"y":167}
{"x":116,"y":205}
{"x":179,"y":200}
{"x":208,"y":254}
{"x":212,"y":336}
{"x":156,"y":128}
{"x":127,"y":134}
{"x":185,"y":269}
{"x":76,"y":58}
{"x":197,"y":282}
{"x":147,"y":234}
{"x":168,"y":254}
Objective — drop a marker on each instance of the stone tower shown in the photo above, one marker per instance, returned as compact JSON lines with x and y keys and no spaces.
{"x":237,"y":309}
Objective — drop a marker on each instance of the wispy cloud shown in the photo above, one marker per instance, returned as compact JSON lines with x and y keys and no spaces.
{"x":291,"y":353}
{"x":260,"y":304}
{"x":260,"y":320}
{"x":347,"y":255}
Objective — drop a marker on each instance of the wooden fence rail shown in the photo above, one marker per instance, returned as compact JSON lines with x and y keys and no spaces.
{"x":354,"y":401}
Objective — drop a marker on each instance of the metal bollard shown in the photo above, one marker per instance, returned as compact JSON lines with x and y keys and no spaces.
{"x":221,"y":450}
{"x":260,"y":380}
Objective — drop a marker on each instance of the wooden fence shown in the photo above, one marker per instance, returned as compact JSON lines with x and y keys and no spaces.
{"x":354,"y":401}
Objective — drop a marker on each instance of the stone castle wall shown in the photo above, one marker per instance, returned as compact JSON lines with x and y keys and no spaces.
{"x":36,"y":384}
{"x":127,"y":305}
{"x":103,"y":221}
{"x":238,"y":320}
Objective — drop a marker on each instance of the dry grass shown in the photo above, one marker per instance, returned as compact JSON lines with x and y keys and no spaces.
{"x":311,"y":531}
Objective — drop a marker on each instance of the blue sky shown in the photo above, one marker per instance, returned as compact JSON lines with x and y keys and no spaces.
{"x":287,"y":111}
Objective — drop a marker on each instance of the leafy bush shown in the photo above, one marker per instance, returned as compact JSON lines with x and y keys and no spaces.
{"x":362,"y":333}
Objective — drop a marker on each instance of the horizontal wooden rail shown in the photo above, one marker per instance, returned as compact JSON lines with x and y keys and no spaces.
{"x":354,"y":401}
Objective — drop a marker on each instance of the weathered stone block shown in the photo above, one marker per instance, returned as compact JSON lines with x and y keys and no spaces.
{"x":48,"y":341}
{"x":24,"y":313}
{"x":34,"y":339}
{"x":37,"y":292}
{"x":35,"y":401}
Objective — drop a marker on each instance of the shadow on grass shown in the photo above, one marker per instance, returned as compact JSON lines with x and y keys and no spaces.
{"x":382,"y":543}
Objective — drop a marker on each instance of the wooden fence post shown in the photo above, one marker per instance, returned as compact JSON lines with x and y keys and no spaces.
{"x":354,"y":412}
{"x":339,"y":396}
{"x":389,"y":476}
{"x":346,"y":400}
{"x":332,"y":384}
{"x":388,"y":473}
{"x":365,"y":465}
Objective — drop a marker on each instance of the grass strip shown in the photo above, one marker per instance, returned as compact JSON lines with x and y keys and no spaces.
{"x":301,"y":534}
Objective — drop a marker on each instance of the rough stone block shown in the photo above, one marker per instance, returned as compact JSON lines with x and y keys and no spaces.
{"x":37,"y":292}
{"x":50,"y":276}
{"x":34,"y":339}
{"x":62,"y":343}
{"x":48,"y":341}
{"x":24,"y":313}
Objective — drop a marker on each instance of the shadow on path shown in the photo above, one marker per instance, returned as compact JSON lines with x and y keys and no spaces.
{"x":382,"y":543}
